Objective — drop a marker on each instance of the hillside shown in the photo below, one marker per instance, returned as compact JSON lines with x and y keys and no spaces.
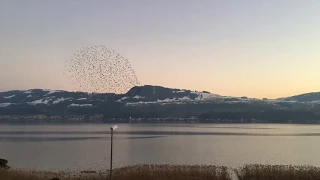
{"x":160,"y":102}
{"x":313,"y":97}
{"x":135,"y":96}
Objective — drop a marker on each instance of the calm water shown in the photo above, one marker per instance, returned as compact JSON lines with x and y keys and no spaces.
{"x":86,"y":147}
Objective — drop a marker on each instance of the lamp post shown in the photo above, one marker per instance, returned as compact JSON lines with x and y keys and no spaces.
{"x":112,"y":128}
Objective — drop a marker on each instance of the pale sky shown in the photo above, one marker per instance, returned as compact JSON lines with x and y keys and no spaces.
{"x":254,"y":48}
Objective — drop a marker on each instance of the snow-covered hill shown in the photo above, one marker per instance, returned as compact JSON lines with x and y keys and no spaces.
{"x":140,"y":95}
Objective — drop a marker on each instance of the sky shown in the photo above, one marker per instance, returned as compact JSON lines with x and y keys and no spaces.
{"x":236,"y":47}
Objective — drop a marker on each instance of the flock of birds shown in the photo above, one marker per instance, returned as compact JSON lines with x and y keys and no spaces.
{"x":97,"y":69}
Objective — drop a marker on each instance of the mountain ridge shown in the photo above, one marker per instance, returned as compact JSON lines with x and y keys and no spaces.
{"x":137,"y":94}
{"x":160,"y":102}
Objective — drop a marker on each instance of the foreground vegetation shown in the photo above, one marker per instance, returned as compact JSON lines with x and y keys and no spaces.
{"x":177,"y":172}
{"x":278,"y":172}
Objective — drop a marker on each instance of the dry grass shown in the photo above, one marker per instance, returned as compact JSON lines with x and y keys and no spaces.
{"x":171,"y":172}
{"x":176,"y":172}
{"x":16,"y":175}
{"x":139,"y":172}
{"x":45,"y":175}
{"x":278,"y":172}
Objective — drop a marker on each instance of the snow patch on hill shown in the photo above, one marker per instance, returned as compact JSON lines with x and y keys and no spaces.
{"x":82,"y":99}
{"x":80,"y":105}
{"x":123,"y":98}
{"x":138,"y":97}
{"x":181,"y":91}
{"x":40,"y":101}
{"x":164,"y":101}
{"x":315,"y":102}
{"x":205,"y":96}
{"x":59,"y":100}
{"x":9,"y":97}
{"x":51,"y":92}
{"x":5,"y":104}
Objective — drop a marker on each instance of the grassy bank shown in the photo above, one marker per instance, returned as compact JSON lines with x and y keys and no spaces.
{"x":177,"y":172}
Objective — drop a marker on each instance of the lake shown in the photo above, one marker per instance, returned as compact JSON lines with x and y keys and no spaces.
{"x":87,"y":146}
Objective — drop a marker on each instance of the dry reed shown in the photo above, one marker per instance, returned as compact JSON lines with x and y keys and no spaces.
{"x":176,"y":172}
{"x":278,"y":172}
